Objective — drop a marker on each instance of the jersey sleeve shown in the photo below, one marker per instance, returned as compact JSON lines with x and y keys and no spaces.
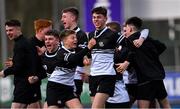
{"x":76,"y":58}
{"x":144,"y":33}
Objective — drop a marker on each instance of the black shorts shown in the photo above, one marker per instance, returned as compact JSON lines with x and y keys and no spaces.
{"x":151,"y":90}
{"x":102,"y":84}
{"x":58,"y":94}
{"x":79,"y":86}
{"x":23,"y":92}
{"x":36,"y":90}
{"x":117,"y":105}
{"x":132,"y":90}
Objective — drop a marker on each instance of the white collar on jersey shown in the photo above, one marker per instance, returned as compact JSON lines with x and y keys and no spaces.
{"x":67,"y":49}
{"x":95,"y":33}
{"x":77,"y":30}
{"x":50,"y":56}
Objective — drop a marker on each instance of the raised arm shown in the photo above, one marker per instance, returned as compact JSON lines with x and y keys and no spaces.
{"x":142,"y":37}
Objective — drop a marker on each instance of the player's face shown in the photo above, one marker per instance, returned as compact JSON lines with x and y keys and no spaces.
{"x":44,"y":31}
{"x":12,"y":32}
{"x":127,"y":30}
{"x":67,"y":19}
{"x":99,"y":21}
{"x":51,"y":43}
{"x":70,"y":41}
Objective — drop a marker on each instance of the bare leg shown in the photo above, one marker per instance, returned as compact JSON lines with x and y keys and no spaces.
{"x":165,"y":103}
{"x":92,"y":99}
{"x":143,"y":104}
{"x":18,"y":105}
{"x":99,"y":100}
{"x":74,"y":103}
{"x":35,"y":105}
{"x":45,"y":106}
{"x":52,"y":107}
{"x":154,"y":104}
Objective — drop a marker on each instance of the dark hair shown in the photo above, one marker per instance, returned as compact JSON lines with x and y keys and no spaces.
{"x":73,"y":10}
{"x":54,"y":33}
{"x":66,"y":32}
{"x":13,"y":22}
{"x":100,"y":10}
{"x":114,"y":25}
{"x":135,"y":21}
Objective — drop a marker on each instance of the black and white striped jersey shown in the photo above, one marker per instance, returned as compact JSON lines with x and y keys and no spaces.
{"x":103,"y":52}
{"x":82,"y":43}
{"x":60,"y":65}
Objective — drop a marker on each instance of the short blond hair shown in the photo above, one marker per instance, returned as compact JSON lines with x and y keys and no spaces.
{"x":114,"y":25}
{"x":42,"y":23}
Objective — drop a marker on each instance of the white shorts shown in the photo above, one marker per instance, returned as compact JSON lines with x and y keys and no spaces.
{"x":120,"y":93}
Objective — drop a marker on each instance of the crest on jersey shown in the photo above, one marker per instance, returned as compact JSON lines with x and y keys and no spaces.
{"x":59,"y":102}
{"x":101,"y":44}
{"x":45,"y":67}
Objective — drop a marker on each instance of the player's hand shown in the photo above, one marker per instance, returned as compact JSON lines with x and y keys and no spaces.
{"x":121,"y":67}
{"x":138,"y":42}
{"x":86,"y":61}
{"x":40,"y":50}
{"x":2,"y":73}
{"x":33,"y":79}
{"x":91,"y":43}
